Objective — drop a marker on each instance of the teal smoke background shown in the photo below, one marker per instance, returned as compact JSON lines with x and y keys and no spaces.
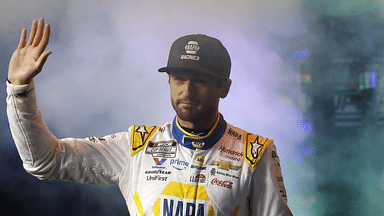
{"x":101,"y":78}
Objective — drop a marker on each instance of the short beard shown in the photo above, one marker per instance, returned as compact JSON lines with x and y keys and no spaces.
{"x":198,"y":118}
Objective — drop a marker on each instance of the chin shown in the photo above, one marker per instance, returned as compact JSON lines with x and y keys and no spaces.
{"x":188,"y":116}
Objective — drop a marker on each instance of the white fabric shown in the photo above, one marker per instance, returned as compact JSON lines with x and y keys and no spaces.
{"x":158,"y":177}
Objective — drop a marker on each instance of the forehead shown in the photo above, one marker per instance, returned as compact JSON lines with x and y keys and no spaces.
{"x":193,"y":74}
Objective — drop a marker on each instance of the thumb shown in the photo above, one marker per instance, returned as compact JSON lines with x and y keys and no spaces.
{"x":42,"y":59}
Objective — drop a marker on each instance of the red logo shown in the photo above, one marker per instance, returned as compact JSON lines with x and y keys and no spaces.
{"x":231,"y":152}
{"x":199,"y":178}
{"x":225,"y":184}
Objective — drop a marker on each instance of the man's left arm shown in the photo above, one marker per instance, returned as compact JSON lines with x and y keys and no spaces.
{"x":268,"y":196}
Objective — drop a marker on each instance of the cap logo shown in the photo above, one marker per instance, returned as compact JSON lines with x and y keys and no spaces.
{"x":191,"y":49}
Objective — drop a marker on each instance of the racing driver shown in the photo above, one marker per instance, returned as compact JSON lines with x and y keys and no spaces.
{"x":195,"y":165}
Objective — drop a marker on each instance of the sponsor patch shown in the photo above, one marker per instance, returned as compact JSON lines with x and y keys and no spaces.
{"x":200,"y":160}
{"x":254,"y":148}
{"x":234,"y":133}
{"x":165,"y":149}
{"x":226,"y":165}
{"x":157,"y":175}
{"x":156,"y":178}
{"x":179,"y":164}
{"x":199,"y":178}
{"x":159,"y":162}
{"x":215,"y":172}
{"x":221,"y":183}
{"x":191,"y":49}
{"x":140,"y":136}
{"x":198,"y":144}
{"x":231,"y":154}
{"x":158,"y":172}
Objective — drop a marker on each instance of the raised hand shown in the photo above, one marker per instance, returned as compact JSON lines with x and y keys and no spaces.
{"x":29,"y":57}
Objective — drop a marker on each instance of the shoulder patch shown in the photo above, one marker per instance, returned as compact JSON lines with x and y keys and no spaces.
{"x":254,"y":146}
{"x":140,"y":135}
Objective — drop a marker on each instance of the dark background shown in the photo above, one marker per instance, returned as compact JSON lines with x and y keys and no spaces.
{"x":101,"y":78}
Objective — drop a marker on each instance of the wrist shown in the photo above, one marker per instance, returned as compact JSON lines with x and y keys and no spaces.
{"x":17,"y":82}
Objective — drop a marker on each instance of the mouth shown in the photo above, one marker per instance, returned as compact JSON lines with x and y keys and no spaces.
{"x":187,"y":103}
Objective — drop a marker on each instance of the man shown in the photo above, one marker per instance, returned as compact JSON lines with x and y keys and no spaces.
{"x":195,"y":165}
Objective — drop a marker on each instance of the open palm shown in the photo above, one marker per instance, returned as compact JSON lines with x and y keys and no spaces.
{"x":29,"y":57}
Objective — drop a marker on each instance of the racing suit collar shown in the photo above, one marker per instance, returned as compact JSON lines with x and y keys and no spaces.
{"x":193,"y":141}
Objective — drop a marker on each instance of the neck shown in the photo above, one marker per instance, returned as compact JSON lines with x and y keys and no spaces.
{"x":203,"y":124}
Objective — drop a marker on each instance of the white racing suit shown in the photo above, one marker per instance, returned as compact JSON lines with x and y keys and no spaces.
{"x":161,"y":170}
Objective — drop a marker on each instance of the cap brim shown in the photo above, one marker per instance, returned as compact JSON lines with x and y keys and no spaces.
{"x":164,"y":69}
{"x":169,"y":69}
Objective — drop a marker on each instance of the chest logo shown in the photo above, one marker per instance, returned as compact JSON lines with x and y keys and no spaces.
{"x":226,"y":165}
{"x":255,"y":146}
{"x":165,"y":149}
{"x":140,"y":136}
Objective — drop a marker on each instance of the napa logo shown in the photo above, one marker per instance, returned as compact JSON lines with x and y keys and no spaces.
{"x":179,"y":164}
{"x":200,"y":160}
{"x":181,"y":200}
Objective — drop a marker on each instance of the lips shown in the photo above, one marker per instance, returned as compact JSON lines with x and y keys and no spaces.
{"x":187,"y":102}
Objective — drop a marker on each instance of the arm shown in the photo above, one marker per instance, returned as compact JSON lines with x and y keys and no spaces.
{"x":98,"y":161}
{"x":268,"y":196}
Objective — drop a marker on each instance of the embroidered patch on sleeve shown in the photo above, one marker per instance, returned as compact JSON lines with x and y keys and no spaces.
{"x":254,"y":148}
{"x":140,"y":135}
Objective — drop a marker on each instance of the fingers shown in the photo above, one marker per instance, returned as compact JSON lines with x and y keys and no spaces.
{"x":32,"y":33}
{"x":39,"y":32}
{"x":45,"y":40}
{"x":22,"y":39}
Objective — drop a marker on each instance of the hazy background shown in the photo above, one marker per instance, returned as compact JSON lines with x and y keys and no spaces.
{"x":102,"y":78}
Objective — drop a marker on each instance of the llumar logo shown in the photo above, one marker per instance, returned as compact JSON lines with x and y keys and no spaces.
{"x":199,"y":178}
{"x":191,"y":49}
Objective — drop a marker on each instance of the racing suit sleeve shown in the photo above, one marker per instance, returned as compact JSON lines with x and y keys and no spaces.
{"x":268,"y":195}
{"x":91,"y":160}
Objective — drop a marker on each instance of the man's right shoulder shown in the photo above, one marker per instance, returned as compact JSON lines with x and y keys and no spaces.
{"x":140,"y":135}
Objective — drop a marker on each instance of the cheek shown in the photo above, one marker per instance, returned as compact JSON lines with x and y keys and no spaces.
{"x":211,"y":97}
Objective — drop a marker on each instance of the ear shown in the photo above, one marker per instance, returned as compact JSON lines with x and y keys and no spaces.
{"x":225,"y":88}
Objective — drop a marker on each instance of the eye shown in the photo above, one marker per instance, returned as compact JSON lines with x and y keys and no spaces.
{"x":201,"y":81}
{"x":179,"y":78}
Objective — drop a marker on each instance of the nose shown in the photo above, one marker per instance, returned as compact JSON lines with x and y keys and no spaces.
{"x":189,"y":88}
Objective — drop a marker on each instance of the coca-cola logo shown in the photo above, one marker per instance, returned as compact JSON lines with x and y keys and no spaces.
{"x":224,"y":184}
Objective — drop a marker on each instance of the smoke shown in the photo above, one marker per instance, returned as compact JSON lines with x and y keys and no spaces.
{"x":345,"y":40}
{"x":102,"y":78}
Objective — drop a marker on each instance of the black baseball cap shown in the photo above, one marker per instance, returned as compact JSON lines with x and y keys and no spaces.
{"x":199,"y":53}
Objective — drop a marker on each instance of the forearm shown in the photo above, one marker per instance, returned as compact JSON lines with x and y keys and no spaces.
{"x":96,"y":161}
{"x":34,"y":142}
